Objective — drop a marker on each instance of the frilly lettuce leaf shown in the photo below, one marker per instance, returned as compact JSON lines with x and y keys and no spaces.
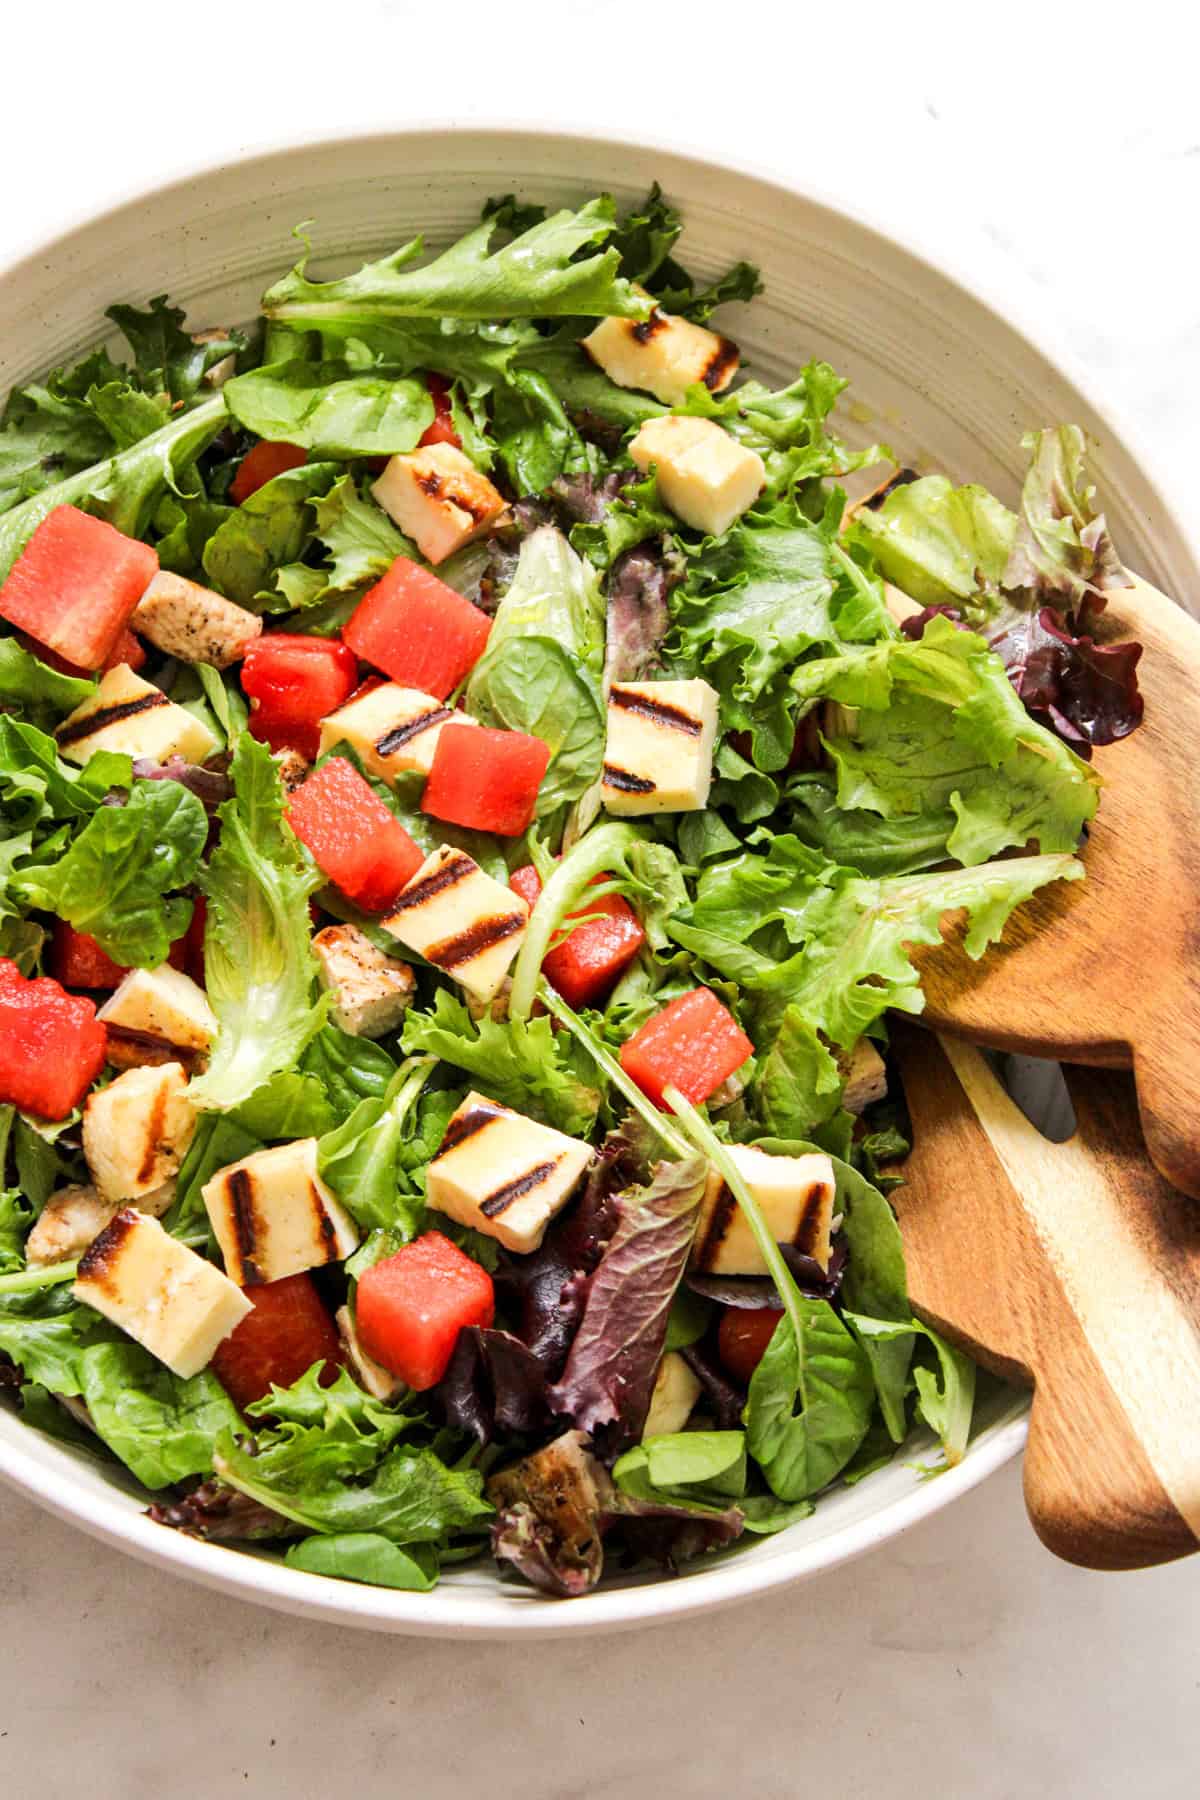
{"x":535,"y":275}
{"x":259,"y":964}
{"x":939,"y":544}
{"x":521,"y":1063}
{"x":935,"y":730}
{"x":1063,"y":550}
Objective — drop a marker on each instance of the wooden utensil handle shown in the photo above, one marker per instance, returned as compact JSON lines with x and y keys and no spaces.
{"x":1078,"y":1267}
{"x":1166,"y":1068}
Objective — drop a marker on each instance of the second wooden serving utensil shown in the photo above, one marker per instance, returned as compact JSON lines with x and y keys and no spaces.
{"x":1072,"y":1266}
{"x":1106,"y":971}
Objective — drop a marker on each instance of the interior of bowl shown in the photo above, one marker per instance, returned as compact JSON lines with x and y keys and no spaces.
{"x":934,"y":372}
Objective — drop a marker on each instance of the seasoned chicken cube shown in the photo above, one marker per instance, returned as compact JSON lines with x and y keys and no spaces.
{"x":131,"y":715}
{"x":136,"y":1129}
{"x":74,"y":1216}
{"x":705,"y":476}
{"x":183,"y":619}
{"x":293,"y":768}
{"x":865,"y":1077}
{"x":663,"y":354}
{"x":438,"y":497}
{"x":370,"y":989}
{"x":171,"y":1301}
{"x":796,"y":1195}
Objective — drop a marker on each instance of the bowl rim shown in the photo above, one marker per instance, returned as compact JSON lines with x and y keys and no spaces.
{"x":728,"y":1581}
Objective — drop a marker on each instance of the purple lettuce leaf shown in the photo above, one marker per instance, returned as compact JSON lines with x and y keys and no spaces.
{"x":726,"y":1398}
{"x":1086,"y":692}
{"x":1063,"y":551}
{"x":222,"y":1514}
{"x":614,"y":1358}
{"x":639,"y":586}
{"x":493,"y":1384}
{"x":210,"y":786}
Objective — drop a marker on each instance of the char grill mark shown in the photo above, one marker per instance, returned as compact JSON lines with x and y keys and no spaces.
{"x":465,"y":1125}
{"x":399,"y":735}
{"x":245,"y":1225}
{"x":503,"y":1197}
{"x":659,"y":712}
{"x":466,"y":945}
{"x":451,"y":872}
{"x":625,"y":782}
{"x":108,"y":715}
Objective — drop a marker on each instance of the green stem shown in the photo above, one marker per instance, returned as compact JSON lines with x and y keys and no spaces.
{"x":704,"y":1139}
{"x":592,"y":855}
{"x":27,"y":1280}
{"x":416,"y":1072}
{"x":607,"y":1062}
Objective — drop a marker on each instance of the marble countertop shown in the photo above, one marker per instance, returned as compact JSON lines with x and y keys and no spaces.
{"x":1062,"y":167}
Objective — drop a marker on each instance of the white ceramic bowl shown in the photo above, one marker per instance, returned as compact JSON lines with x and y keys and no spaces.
{"x":945,"y":379}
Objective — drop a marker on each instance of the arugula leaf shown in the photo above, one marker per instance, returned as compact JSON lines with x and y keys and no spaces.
{"x":946,"y":1395}
{"x":325,"y":407}
{"x":938,"y":732}
{"x":268,"y":531}
{"x":169,"y":360}
{"x":533,"y":276}
{"x":50,"y":430}
{"x":162,"y":1427}
{"x":366,"y":1556}
{"x":112,"y":880}
{"x":939,"y":544}
{"x":521,"y":1063}
{"x":125,"y":488}
{"x":259,"y":963}
{"x":541,"y":670}
{"x":225,"y":701}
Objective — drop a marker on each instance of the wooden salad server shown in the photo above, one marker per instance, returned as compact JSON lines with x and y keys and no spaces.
{"x":1072,"y":1266}
{"x":1106,"y":971}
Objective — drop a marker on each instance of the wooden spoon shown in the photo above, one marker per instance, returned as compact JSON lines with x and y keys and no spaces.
{"x":1106,"y":971}
{"x":1073,"y":1266}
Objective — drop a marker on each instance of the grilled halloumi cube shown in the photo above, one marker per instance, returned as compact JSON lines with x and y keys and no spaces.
{"x":502,"y":1173}
{"x":663,"y":354}
{"x":131,"y":715}
{"x":705,"y":476}
{"x":676,"y":1391}
{"x":273,"y":1215}
{"x":460,"y":920}
{"x":161,"y":1005}
{"x":370,"y":989}
{"x":136,"y":1129}
{"x":186,"y":620}
{"x":172,"y":1302}
{"x":659,"y":749}
{"x":393,"y":729}
{"x":865,"y":1077}
{"x":438,"y":497}
{"x":379,"y":1382}
{"x":796,"y":1194}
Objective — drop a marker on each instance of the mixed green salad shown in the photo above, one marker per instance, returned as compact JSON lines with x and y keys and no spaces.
{"x":468,"y":807}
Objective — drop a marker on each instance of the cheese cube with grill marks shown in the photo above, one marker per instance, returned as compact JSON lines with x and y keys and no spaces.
{"x":370,"y":990}
{"x":663,"y":354}
{"x":131,"y":715}
{"x":676,"y":1391}
{"x":438,"y":497}
{"x":136,"y":1130}
{"x":161,"y":1005}
{"x":705,"y":476}
{"x":796,"y":1194}
{"x":659,"y":750}
{"x":502,"y":1173}
{"x":393,"y":729}
{"x":379,"y":1382}
{"x":176,"y":1305}
{"x":460,"y":920}
{"x":274,"y":1216}
{"x":189,"y":621}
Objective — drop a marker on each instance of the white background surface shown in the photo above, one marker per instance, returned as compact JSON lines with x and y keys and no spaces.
{"x":1058,"y":151}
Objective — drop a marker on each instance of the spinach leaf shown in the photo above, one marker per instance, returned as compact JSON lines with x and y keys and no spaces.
{"x":326,"y":408}
{"x":366,"y":1556}
{"x":350,"y":1069}
{"x":289,"y":1105}
{"x":810,"y":1402}
{"x":946,"y":1394}
{"x":162,"y":1427}
{"x":113,"y":879}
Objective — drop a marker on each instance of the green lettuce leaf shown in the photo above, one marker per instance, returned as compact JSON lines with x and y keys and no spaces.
{"x":938,"y":732}
{"x":541,"y":670}
{"x":268,"y":531}
{"x":1063,"y":549}
{"x":162,"y":1427}
{"x":114,"y":880}
{"x":522,"y":1063}
{"x":26,"y":682}
{"x":366,"y":1158}
{"x":535,"y":275}
{"x":259,"y":962}
{"x":349,"y":1068}
{"x":167,"y":359}
{"x":326,"y":408}
{"x":939,"y":544}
